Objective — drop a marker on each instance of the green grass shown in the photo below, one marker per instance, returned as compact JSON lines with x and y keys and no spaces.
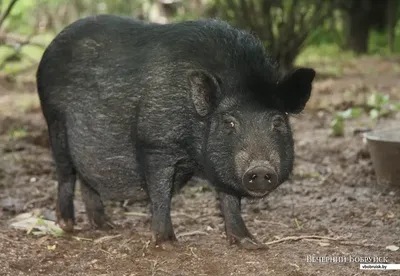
{"x":378,"y":43}
{"x":324,"y":48}
{"x":323,"y":53}
{"x":329,"y":58}
{"x":17,"y":133}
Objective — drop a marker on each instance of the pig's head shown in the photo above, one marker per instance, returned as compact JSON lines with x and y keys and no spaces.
{"x":249,"y":143}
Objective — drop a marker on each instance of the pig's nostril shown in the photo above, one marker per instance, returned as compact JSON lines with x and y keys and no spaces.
{"x":260,"y":179}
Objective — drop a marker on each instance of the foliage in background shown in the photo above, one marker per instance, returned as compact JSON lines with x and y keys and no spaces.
{"x":288,"y":27}
{"x":284,"y":25}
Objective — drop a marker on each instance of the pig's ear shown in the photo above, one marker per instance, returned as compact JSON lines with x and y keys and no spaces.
{"x":204,"y":89}
{"x":295,"y":89}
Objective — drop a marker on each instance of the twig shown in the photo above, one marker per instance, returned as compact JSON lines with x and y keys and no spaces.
{"x":106,"y":238}
{"x":105,"y":251}
{"x":36,"y":200}
{"x":312,"y":237}
{"x":136,"y":214}
{"x":350,"y":243}
{"x":297,"y":238}
{"x":358,"y":244}
{"x":271,"y":222}
{"x":8,"y":11}
{"x":325,"y":179}
{"x":163,"y":271}
{"x":154,"y":269}
{"x":183,"y":215}
{"x":193,"y":233}
{"x":10,"y":40}
{"x":145,"y":246}
{"x":194,"y":254}
{"x":126,"y":242}
{"x":81,"y":238}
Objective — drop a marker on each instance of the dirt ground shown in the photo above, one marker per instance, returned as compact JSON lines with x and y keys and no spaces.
{"x":332,"y":197}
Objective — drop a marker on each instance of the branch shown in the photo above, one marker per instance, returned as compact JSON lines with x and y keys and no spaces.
{"x":254,"y":11}
{"x":16,"y":42}
{"x":288,"y":30}
{"x":319,"y":15}
{"x":292,"y":14}
{"x":236,"y":12}
{"x":246,"y":13}
{"x":12,"y":39}
{"x":304,"y":25}
{"x":266,"y":13}
{"x":7,"y":12}
{"x":216,"y":7}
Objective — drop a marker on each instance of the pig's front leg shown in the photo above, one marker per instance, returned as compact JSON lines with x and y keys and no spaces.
{"x":160,"y":170}
{"x":235,"y":228}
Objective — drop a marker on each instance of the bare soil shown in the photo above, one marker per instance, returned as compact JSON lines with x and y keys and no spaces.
{"x":332,"y":197}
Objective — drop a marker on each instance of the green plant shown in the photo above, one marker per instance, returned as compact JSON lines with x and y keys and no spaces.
{"x":378,"y":105}
{"x":337,"y":124}
{"x":42,"y":227}
{"x":15,"y":133}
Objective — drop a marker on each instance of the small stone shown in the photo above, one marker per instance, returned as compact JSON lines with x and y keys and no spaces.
{"x":392,"y":247}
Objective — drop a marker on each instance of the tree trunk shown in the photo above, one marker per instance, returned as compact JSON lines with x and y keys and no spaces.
{"x":378,"y":14}
{"x":286,"y":60}
{"x":391,"y":20}
{"x":358,"y":24}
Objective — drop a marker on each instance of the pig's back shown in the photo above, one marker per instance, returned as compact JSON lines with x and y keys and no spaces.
{"x":94,"y":59}
{"x":85,"y":81}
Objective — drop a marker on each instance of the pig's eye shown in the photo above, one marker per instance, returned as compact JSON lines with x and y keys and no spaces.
{"x":278,"y":123}
{"x":230,"y":125}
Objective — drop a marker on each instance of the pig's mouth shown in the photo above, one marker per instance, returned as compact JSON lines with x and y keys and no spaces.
{"x":258,"y":181}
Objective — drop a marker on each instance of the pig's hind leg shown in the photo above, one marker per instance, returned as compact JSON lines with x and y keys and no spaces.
{"x":66,"y":175}
{"x":94,"y":207}
{"x":159,"y":173}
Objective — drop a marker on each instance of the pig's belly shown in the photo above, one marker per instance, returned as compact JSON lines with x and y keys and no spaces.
{"x":105,"y":159}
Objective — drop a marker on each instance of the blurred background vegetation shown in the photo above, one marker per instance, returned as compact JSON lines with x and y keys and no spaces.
{"x":294,"y":31}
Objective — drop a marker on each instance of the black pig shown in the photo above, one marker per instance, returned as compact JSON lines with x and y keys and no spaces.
{"x":136,"y":109}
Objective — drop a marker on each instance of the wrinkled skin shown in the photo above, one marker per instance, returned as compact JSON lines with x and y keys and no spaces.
{"x":136,"y":109}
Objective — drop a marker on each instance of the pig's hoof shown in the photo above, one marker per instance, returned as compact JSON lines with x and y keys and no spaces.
{"x":251,"y":244}
{"x":168,"y":245}
{"x":101,"y":222}
{"x":66,"y":225}
{"x":166,"y":242}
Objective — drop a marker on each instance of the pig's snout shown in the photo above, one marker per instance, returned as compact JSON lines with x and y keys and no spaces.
{"x":259,"y":180}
